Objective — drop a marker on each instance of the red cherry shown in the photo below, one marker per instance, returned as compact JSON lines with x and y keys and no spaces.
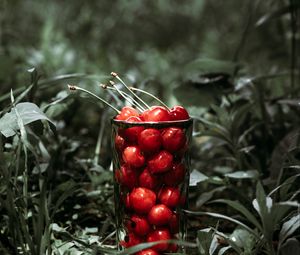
{"x":127,"y":112}
{"x":174,"y":223}
{"x":148,"y":252}
{"x":159,"y":215}
{"x":173,"y":139}
{"x":131,"y":240}
{"x":159,"y":235}
{"x":132,"y":155}
{"x":175,"y":176}
{"x":119,"y":143}
{"x":147,"y":180}
{"x":169,"y":196}
{"x":139,"y":225}
{"x":126,"y":201}
{"x":131,"y":134}
{"x":149,"y":140}
{"x":160,"y":163}
{"x":179,"y":113}
{"x":172,"y":248}
{"x":156,"y":114}
{"x":127,"y":177}
{"x":142,"y":200}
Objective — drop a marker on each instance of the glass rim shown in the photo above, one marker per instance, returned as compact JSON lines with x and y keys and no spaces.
{"x":180,"y":123}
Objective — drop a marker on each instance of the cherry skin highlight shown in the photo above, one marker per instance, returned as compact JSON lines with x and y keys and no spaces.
{"x":156,"y":114}
{"x":139,"y":225}
{"x":150,"y":140}
{"x":148,"y":252}
{"x":169,"y":196}
{"x":159,"y":235}
{"x":179,"y":113}
{"x":147,"y":180}
{"x":173,"y":139}
{"x":132,"y":155}
{"x":127,"y":112}
{"x":142,"y":200}
{"x":159,"y":215}
{"x":160,"y":163}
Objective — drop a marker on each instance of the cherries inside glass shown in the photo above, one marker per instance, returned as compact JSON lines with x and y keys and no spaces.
{"x":151,"y":173}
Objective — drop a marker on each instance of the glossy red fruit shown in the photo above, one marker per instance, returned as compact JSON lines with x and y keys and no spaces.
{"x":160,"y":163}
{"x":173,"y":139}
{"x":147,"y":180}
{"x":131,"y":134}
{"x":147,"y":252}
{"x":133,"y":156}
{"x":130,"y":240}
{"x":159,"y":215}
{"x":142,"y":200}
{"x":159,"y":235}
{"x":156,"y":114}
{"x":119,"y":143}
{"x":139,"y":225}
{"x":175,"y":176}
{"x":126,"y":201}
{"x":172,"y":248}
{"x":169,"y":196}
{"x":127,"y":112}
{"x":179,"y":113}
{"x":174,"y":223}
{"x":127,"y":177}
{"x":150,"y":140}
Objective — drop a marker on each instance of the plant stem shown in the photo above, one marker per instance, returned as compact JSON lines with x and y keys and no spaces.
{"x":72,"y":87}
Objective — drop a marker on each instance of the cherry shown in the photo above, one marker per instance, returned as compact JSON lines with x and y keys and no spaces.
{"x":130,"y":240}
{"x":173,"y":139}
{"x":126,"y":201}
{"x":132,"y":155}
{"x":160,"y":163}
{"x":142,"y":200}
{"x":172,"y":248}
{"x":175,"y":176}
{"x":150,"y":140}
{"x":179,"y":113}
{"x":127,"y":177}
{"x":147,"y":252}
{"x":127,"y":112}
{"x":139,"y":225}
{"x":174,"y":223}
{"x":159,"y":215}
{"x":119,"y":143}
{"x":147,"y":180}
{"x":131,"y":134}
{"x":169,"y":196}
{"x":159,"y":235}
{"x":156,"y":114}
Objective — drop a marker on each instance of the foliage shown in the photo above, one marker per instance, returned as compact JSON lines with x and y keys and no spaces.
{"x":234,"y":65}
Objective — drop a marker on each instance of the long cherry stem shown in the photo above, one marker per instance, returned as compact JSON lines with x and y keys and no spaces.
{"x":124,"y":95}
{"x":73,"y":87}
{"x":120,"y":80}
{"x":149,"y":94}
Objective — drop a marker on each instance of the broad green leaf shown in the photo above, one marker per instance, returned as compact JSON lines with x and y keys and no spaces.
{"x":206,"y":196}
{"x":223,"y":250}
{"x":243,"y":239}
{"x":204,"y":239}
{"x":197,"y":177}
{"x":242,"y":209}
{"x":290,"y":247}
{"x":28,"y":113}
{"x":289,"y":227}
{"x":250,"y":174}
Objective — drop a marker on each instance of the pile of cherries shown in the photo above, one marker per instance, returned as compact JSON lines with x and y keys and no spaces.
{"x":150,"y":176}
{"x":150,"y":168}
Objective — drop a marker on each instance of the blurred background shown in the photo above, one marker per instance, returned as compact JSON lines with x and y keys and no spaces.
{"x":233,"y":64}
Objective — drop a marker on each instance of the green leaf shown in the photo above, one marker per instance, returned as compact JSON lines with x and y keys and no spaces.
{"x":197,"y":177}
{"x":204,"y":239}
{"x":250,"y":174}
{"x":290,"y":247}
{"x":239,"y":207}
{"x":206,"y":196}
{"x":288,"y":228}
{"x":223,"y":250}
{"x":28,"y":113}
{"x":243,"y":239}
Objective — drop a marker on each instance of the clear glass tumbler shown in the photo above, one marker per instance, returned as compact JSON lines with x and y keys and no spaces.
{"x":151,"y":179}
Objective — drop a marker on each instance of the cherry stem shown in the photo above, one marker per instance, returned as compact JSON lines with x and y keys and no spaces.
{"x":149,"y":94}
{"x":73,"y":87}
{"x":126,"y":96}
{"x":120,"y":80}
